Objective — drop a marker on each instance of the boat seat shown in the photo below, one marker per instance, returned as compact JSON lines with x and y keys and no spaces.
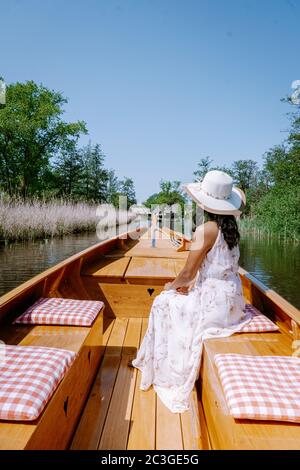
{"x":29,"y":375}
{"x":67,"y":402}
{"x":261,"y":387}
{"x":225,"y":432}
{"x":59,"y":311}
{"x":147,"y":269}
{"x":107,"y":269}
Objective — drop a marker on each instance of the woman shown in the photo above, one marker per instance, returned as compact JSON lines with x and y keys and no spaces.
{"x":204,"y":301}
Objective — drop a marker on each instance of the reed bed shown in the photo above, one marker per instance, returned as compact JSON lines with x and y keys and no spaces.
{"x":41,"y":220}
{"x":250,"y":225}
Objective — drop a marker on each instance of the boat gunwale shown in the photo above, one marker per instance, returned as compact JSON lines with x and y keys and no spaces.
{"x":291,"y":311}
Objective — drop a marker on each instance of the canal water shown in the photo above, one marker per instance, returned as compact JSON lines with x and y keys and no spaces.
{"x":276,"y":263}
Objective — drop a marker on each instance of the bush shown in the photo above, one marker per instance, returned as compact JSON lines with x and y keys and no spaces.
{"x":278,"y":211}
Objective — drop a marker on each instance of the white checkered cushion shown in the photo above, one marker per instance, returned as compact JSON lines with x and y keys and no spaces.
{"x":259,"y":322}
{"x":57,"y":311}
{"x":261,"y":387}
{"x":29,"y":376}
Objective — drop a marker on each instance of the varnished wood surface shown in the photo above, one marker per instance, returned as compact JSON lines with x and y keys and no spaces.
{"x":163,"y":248}
{"x":224,"y":431}
{"x":129,"y":300}
{"x":127,"y":417}
{"x":107,"y":268}
{"x":158,"y":268}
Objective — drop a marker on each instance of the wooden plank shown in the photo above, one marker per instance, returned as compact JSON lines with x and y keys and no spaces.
{"x":117,"y":424}
{"x":63,"y":337}
{"x":163,"y":249}
{"x":130,"y":300}
{"x":142,"y":428}
{"x":89,"y":429}
{"x":179,"y":265}
{"x":132,"y":338}
{"x":158,"y":268}
{"x":116,"y":428}
{"x":88,"y":433}
{"x":190,"y":425}
{"x":116,"y":339}
{"x":107,"y":330}
{"x":205,"y":441}
{"x":168,"y":428}
{"x":107,"y":267}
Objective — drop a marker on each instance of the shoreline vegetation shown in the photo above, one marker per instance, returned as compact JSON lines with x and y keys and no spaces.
{"x":42,"y":164}
{"x":28,"y":221}
{"x":252,"y":226}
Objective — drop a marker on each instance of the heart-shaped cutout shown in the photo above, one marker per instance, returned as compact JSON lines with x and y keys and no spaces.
{"x":150,"y":290}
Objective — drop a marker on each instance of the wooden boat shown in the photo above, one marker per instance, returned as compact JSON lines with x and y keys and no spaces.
{"x":98,"y":404}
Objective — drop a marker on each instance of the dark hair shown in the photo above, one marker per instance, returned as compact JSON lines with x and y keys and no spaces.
{"x":228,"y":226}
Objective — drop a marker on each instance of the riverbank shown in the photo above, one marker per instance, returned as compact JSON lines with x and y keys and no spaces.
{"x":21,"y":221}
{"x":252,"y":226}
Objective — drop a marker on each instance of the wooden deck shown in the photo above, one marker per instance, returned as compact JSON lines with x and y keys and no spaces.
{"x":118,"y":415}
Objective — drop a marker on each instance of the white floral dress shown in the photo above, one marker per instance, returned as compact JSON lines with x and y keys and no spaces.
{"x":170,"y":354}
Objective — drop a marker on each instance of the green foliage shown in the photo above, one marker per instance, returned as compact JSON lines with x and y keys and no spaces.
{"x":203,"y":166}
{"x":39,"y":153}
{"x":282,"y":165}
{"x":31,"y":131}
{"x":126,"y":188}
{"x":279,"y":211}
{"x":169,"y":193}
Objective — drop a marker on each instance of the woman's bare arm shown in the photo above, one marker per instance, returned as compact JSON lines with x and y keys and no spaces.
{"x":204,"y":239}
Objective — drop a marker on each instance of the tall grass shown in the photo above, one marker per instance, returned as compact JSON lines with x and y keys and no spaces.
{"x":38,"y":219}
{"x":253,"y":226}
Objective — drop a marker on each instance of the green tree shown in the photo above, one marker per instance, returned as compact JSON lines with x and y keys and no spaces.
{"x":67,"y":172}
{"x":126,"y":188}
{"x":278,"y":210}
{"x":31,"y":131}
{"x":245,"y":174}
{"x":282,"y":165}
{"x":112,"y":188}
{"x":169,"y":194}
{"x":203,"y":166}
{"x":94,"y":175}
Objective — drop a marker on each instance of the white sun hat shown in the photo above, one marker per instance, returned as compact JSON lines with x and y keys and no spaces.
{"x":216,"y":194}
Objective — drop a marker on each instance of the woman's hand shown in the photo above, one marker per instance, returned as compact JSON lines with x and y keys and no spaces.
{"x":184,"y":290}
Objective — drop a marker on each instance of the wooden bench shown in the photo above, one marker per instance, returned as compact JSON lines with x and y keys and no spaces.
{"x":225,"y":432}
{"x":68,"y":400}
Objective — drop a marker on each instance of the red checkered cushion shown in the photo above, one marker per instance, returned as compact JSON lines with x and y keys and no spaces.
{"x":261,"y":387}
{"x":56,"y":311}
{"x":259,"y":322}
{"x":28,"y":377}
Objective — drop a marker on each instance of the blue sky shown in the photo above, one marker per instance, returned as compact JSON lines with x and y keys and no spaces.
{"x":161,"y":83}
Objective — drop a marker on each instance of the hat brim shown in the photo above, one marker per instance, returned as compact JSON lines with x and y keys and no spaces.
{"x":230,"y":206}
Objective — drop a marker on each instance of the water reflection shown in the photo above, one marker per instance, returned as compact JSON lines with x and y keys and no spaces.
{"x":275,"y":263}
